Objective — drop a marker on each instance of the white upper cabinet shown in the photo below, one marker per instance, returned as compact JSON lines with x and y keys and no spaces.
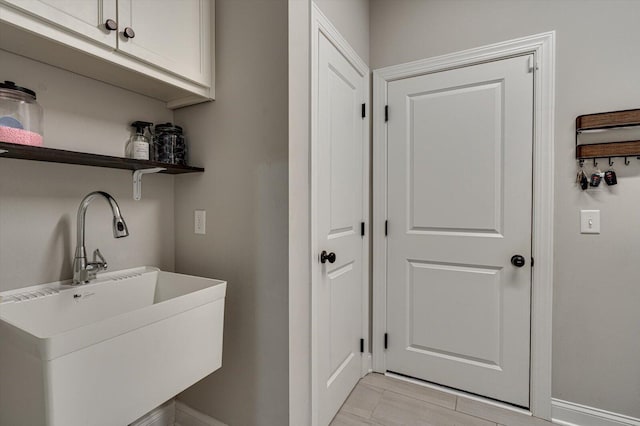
{"x":160,"y":48}
{"x":172,"y":34}
{"x":84,"y":17}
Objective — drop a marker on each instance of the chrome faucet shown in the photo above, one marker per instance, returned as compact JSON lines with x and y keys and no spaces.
{"x":84,"y":271}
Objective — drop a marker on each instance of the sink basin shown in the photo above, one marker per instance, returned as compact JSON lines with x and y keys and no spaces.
{"x":107,"y":352}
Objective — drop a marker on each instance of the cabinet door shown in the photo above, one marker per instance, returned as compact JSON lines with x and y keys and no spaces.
{"x":83,"y":17}
{"x":170,"y":34}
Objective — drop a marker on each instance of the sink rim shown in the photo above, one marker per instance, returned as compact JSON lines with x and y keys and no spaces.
{"x":85,"y":335}
{"x":65,"y":285}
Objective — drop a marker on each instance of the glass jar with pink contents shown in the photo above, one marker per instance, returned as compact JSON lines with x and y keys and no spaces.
{"x":21,"y":117}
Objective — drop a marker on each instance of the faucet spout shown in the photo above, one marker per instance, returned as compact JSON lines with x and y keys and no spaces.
{"x":84,"y":271}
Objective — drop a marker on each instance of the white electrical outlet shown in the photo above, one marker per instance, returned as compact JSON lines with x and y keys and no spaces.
{"x":200,"y":222}
{"x":589,"y":221}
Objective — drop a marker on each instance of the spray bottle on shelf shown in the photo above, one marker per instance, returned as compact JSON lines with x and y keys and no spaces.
{"x":138,"y":145}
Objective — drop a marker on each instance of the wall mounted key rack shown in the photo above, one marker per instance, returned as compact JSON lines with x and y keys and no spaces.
{"x":619,"y":131}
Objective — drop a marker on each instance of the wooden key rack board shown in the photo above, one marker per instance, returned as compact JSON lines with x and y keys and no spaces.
{"x":601,"y":122}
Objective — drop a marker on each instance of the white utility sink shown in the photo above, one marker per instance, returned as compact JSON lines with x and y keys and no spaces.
{"x":107,"y":352}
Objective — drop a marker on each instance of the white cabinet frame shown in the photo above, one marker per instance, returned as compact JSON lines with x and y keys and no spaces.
{"x":542,"y":46}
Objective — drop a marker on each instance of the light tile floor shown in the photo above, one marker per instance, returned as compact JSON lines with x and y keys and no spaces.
{"x":384,"y":401}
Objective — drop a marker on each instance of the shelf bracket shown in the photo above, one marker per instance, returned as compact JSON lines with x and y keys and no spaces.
{"x":137,"y":180}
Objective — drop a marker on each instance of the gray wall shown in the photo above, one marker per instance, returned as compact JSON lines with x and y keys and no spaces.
{"x":241,"y":139}
{"x":596,"y":318}
{"x":351,"y":18}
{"x":38,"y":201}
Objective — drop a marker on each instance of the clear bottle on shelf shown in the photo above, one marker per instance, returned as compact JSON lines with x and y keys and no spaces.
{"x":138,"y":146}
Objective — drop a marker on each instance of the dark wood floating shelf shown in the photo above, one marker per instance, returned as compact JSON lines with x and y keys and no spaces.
{"x":37,"y":153}
{"x":609,"y":149}
{"x":608,"y":121}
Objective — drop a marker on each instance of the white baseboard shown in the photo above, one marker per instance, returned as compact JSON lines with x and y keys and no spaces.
{"x":572,"y":414}
{"x":187,"y":416}
{"x":163,"y":415}
{"x":367,"y":364}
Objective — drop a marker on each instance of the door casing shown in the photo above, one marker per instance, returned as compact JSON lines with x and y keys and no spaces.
{"x":320,"y":25}
{"x":542,"y":46}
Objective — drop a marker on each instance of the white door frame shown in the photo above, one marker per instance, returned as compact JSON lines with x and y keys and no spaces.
{"x":321,"y":26}
{"x":542,"y":46}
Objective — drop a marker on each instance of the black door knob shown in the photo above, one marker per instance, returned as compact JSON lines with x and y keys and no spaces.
{"x":111,"y":25}
{"x":517,"y":261}
{"x":129,"y":33}
{"x":331,"y":257}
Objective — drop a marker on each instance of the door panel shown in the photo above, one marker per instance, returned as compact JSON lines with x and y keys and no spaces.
{"x":459,"y":206}
{"x":171,"y":34}
{"x":342,"y":149}
{"x":477,"y":121}
{"x":475,"y":334}
{"x":339,"y":194}
{"x":344,"y":296}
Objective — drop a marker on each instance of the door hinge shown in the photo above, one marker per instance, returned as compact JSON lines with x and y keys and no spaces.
{"x":362,"y":229}
{"x":364,"y":111}
{"x":386,"y":340}
{"x":532,"y":261}
{"x":361,"y":346}
{"x":386,"y":228}
{"x":533,"y":65}
{"x":386,"y":113}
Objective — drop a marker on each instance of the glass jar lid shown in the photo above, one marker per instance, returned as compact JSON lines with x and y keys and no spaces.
{"x":167,"y":127}
{"x":8,"y":89}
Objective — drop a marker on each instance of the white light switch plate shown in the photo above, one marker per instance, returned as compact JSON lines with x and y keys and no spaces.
{"x":200,"y":222}
{"x":589,"y":221}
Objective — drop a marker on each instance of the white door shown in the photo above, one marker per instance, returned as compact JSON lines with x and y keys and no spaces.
{"x":340,"y":184}
{"x":171,"y":34}
{"x":84,"y":17}
{"x":459,"y":208}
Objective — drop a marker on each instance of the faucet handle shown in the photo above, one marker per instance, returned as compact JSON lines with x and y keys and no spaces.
{"x":99,"y":260}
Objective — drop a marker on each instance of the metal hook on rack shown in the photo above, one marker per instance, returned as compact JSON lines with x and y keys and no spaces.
{"x":581,"y":162}
{"x":610,"y":162}
{"x":595,"y":163}
{"x":626,"y":162}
